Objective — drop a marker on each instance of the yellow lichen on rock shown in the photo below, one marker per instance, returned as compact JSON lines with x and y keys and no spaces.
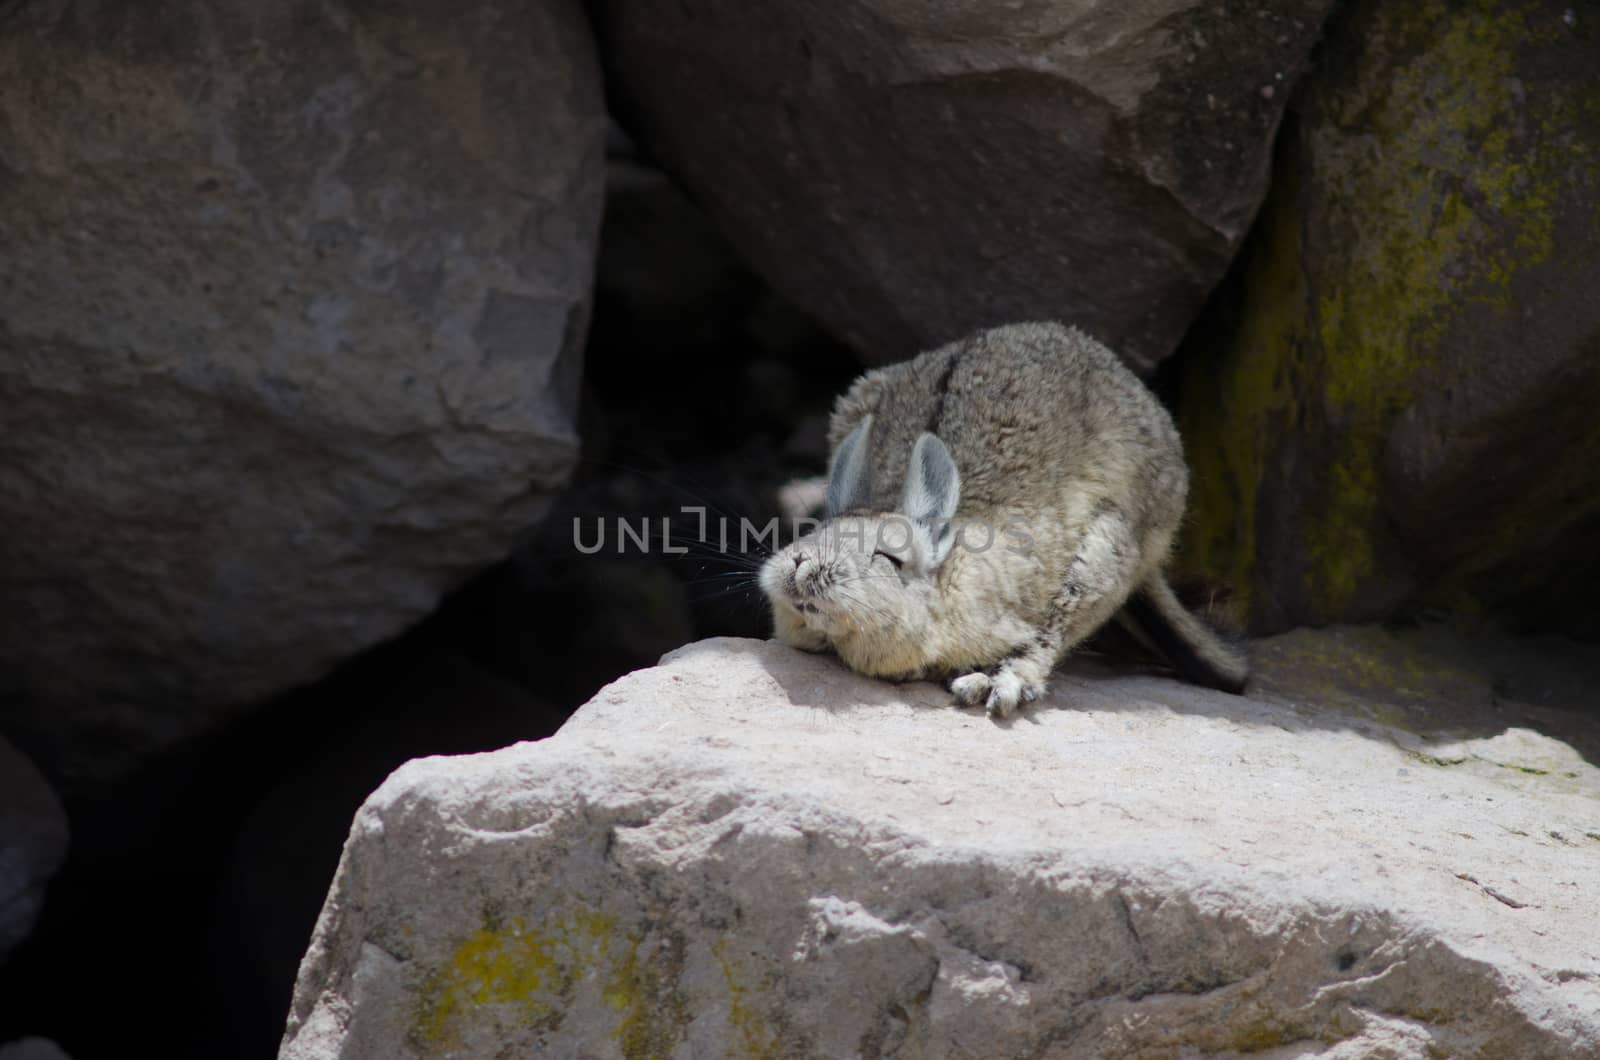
{"x":507,"y":980}
{"x":759,"y":1039}
{"x":1429,"y":188}
{"x":1234,"y":403}
{"x":522,"y":973}
{"x":1418,"y":184}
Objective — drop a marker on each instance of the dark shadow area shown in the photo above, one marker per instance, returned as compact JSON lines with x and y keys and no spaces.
{"x":191,"y":891}
{"x":1421,"y":687}
{"x":1424,"y":688}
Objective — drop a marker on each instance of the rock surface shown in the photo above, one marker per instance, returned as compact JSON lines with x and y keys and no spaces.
{"x":909,"y":172}
{"x":750,"y":851}
{"x":291,"y":313}
{"x":32,"y":1049}
{"x":1402,"y":413}
{"x":33,"y":844}
{"x":286,"y":841}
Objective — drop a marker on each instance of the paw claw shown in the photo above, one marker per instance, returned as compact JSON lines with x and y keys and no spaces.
{"x":1005,"y":695}
{"x":970,"y":689}
{"x":1008,"y":692}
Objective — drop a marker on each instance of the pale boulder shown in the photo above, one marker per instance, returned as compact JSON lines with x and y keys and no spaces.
{"x":750,"y":851}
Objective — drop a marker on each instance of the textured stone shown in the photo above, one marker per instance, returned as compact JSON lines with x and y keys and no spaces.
{"x":911,"y":172}
{"x":1401,"y":413}
{"x":751,"y":851}
{"x":291,"y":313}
{"x":286,"y":846}
{"x":33,"y":844}
{"x":32,"y":1049}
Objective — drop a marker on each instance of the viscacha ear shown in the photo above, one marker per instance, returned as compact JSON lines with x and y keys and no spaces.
{"x":933,"y":489}
{"x":849,"y":476}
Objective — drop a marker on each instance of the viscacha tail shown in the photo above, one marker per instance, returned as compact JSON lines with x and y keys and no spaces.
{"x":1193,"y":648}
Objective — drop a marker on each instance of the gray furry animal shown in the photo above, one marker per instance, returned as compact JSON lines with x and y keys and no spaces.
{"x":990,"y":504}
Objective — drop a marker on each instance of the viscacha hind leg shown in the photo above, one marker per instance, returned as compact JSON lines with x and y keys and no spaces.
{"x":1098,"y":581}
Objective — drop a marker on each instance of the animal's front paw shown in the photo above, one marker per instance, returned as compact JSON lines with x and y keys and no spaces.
{"x":971,"y":689}
{"x":788,"y":628}
{"x":1008,"y":691}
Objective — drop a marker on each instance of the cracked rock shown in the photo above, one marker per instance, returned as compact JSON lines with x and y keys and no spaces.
{"x":750,"y":851}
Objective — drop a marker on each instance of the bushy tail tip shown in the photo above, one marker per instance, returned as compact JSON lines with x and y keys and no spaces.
{"x":1196,"y":650}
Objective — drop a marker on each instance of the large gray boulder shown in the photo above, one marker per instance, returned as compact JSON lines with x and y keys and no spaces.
{"x":292,"y":305}
{"x":1400,"y":413}
{"x":910,"y":172}
{"x":750,"y":851}
{"x":33,"y":844}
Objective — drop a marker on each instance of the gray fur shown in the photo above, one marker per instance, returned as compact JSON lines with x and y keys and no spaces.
{"x":1036,"y":437}
{"x":850,"y":473}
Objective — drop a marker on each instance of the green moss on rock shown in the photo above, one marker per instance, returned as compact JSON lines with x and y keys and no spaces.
{"x":512,"y":976}
{"x":524,"y":973}
{"x":1421,"y":184}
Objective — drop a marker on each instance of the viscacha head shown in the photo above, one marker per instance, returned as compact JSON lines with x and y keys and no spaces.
{"x":865,"y":581}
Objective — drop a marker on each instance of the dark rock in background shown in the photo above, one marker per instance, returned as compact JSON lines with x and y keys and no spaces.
{"x":704,"y":393}
{"x":1398,"y":411}
{"x":33,"y":843}
{"x":202,"y":878}
{"x":32,"y":1049}
{"x":213,"y":861}
{"x":292,"y":308}
{"x":910,"y":173}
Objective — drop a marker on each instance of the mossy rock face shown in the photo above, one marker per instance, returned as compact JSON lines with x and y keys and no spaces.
{"x":1399,"y":413}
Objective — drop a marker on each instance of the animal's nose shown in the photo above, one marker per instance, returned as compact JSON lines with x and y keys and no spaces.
{"x":798,"y":560}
